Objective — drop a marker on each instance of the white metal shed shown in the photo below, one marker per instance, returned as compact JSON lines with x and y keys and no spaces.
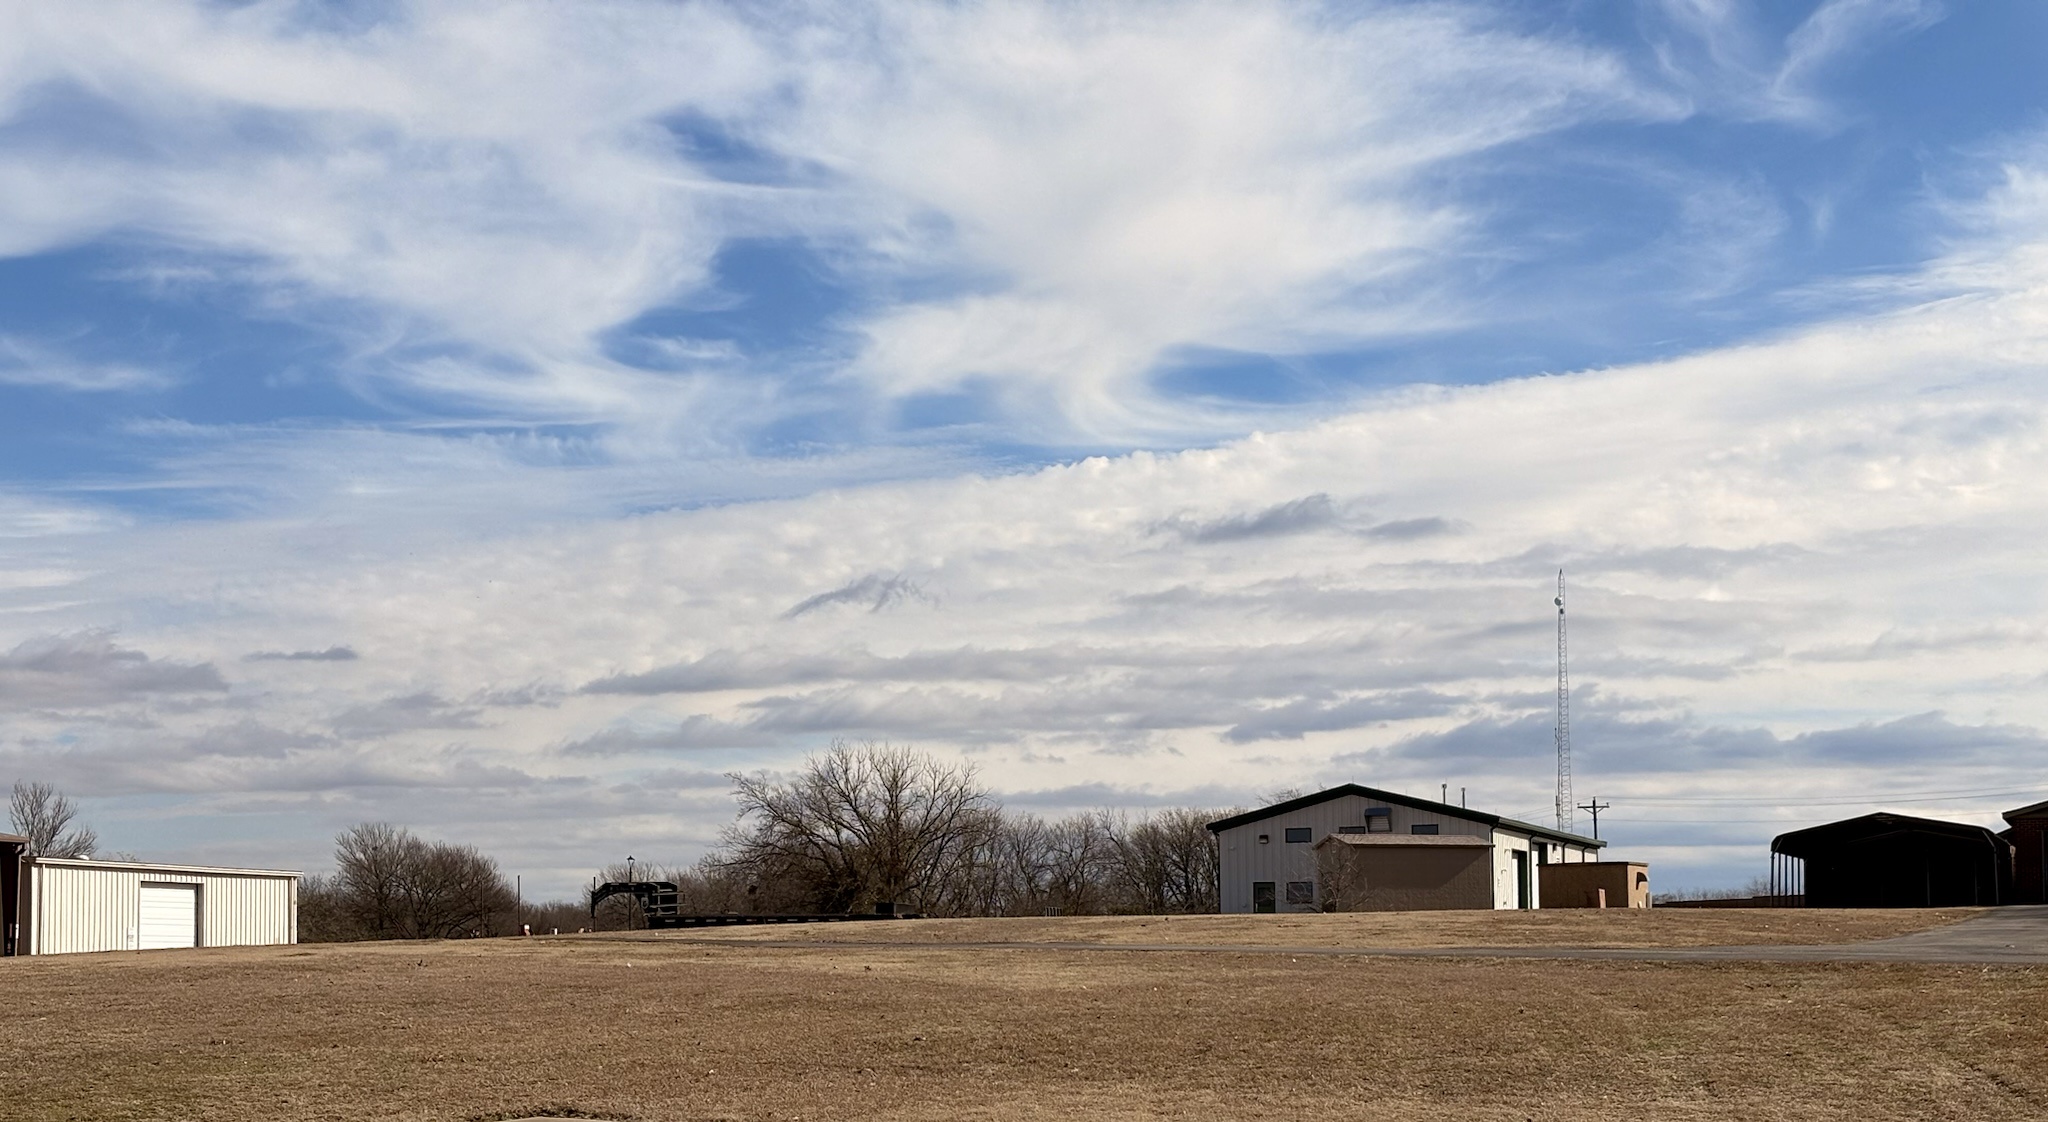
{"x":72,"y":905}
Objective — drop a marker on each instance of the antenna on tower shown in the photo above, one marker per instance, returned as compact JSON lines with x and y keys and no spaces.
{"x":1565,"y":809}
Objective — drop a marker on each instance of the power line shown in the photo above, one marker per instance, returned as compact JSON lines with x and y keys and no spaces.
{"x":1837,"y":800}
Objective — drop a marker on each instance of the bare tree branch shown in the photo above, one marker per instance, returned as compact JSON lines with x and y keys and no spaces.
{"x":41,"y":814}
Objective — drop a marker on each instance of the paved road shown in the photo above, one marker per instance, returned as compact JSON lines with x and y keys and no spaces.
{"x":2007,"y":936}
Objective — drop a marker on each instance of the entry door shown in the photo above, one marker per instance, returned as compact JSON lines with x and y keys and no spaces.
{"x":1263,"y":898}
{"x":1521,"y":878}
{"x":170,"y":916}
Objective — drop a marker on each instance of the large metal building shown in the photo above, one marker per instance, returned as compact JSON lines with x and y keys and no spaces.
{"x":66,"y":906}
{"x":1889,"y":860}
{"x":1354,"y":848}
{"x":2028,"y":836}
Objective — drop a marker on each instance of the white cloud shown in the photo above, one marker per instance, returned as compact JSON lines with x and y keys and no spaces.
{"x":25,"y":362}
{"x":1721,"y":52}
{"x":1779,"y":552}
{"x":1809,"y":563}
{"x":1140,"y":177}
{"x":1073,"y":190}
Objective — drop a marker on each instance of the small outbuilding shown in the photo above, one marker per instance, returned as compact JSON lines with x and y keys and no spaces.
{"x":1596,"y":884}
{"x":69,"y":905}
{"x":1889,"y":860}
{"x":2028,"y":836}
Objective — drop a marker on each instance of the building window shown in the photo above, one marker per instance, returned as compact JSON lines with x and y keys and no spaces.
{"x":1423,"y":828}
{"x":1301,"y":892}
{"x":1379,"y":823}
{"x":1262,"y":896}
{"x":1351,"y":829}
{"x":1301,"y":834}
{"x":1264,"y":838}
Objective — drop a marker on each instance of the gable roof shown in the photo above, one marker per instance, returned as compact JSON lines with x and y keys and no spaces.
{"x":1849,"y":831}
{"x":1409,"y":801}
{"x":2038,"y":810}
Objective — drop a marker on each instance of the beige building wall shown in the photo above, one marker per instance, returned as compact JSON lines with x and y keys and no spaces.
{"x":77,"y":906}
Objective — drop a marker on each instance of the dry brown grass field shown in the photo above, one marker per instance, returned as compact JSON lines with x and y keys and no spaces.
{"x":663,"y":1029}
{"x":1673,"y":927}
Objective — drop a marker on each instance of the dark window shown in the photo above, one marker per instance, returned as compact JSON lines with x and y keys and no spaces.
{"x":1380,"y":824}
{"x":1300,"y":834}
{"x":1423,"y":828}
{"x":1542,"y":853}
{"x":1262,"y":896}
{"x":1351,"y":829}
{"x":1264,"y":838}
{"x":1301,"y":892}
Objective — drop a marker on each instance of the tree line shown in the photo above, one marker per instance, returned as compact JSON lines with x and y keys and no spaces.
{"x":856,"y":826}
{"x":866,"y":824}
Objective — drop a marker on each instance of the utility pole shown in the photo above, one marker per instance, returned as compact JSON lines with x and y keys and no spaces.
{"x":1596,"y":806}
{"x":1564,"y":722}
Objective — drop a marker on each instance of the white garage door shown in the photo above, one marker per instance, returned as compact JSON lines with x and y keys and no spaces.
{"x":170,"y":916}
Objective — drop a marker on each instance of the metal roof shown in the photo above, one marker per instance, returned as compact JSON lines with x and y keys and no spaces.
{"x":155,"y":867}
{"x":16,"y":838}
{"x":1800,"y":843}
{"x":1431,"y":805}
{"x":2038,"y":810}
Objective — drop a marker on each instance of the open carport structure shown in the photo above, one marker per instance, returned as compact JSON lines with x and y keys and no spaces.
{"x":1889,"y":860}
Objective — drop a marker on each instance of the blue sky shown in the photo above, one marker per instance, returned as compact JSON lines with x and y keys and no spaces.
{"x":322,"y":326}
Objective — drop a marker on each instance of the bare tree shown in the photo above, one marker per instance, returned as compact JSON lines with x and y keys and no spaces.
{"x":1164,"y":862}
{"x":369,"y":861}
{"x":44,"y":816}
{"x":323,"y":914}
{"x":390,"y":884}
{"x":859,"y":824}
{"x":454,"y":891}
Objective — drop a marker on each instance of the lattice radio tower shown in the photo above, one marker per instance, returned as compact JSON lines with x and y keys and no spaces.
{"x":1565,"y":811}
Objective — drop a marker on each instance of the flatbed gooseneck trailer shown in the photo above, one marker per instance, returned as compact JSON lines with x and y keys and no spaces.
{"x":661,"y":902}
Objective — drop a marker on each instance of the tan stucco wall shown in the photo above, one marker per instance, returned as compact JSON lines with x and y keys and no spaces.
{"x":1390,"y":878}
{"x":1577,"y":886}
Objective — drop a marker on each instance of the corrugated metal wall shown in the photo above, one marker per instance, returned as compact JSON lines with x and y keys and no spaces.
{"x":77,"y":907}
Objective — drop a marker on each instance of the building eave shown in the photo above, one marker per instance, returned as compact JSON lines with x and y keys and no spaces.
{"x":155,"y":867}
{"x":1409,"y":801}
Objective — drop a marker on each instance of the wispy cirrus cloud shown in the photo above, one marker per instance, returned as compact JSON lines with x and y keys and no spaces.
{"x":475,"y":231}
{"x":25,"y":362}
